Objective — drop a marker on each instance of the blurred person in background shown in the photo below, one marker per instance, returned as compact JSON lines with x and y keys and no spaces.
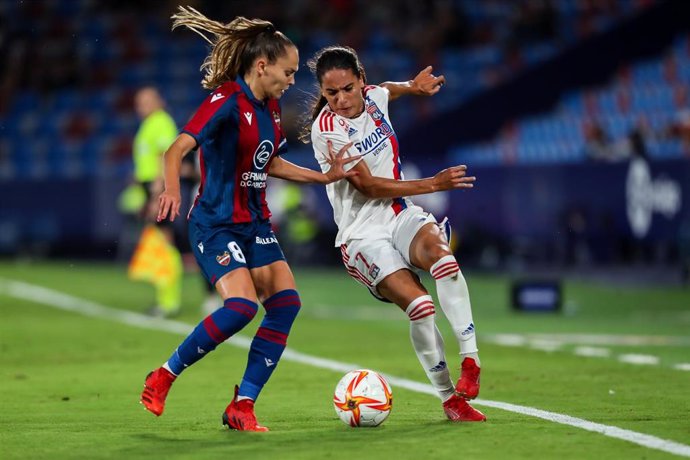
{"x":384,"y":238}
{"x":238,"y":132}
{"x":156,"y":259}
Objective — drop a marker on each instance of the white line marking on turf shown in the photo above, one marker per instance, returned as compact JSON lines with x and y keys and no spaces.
{"x":595,"y":352}
{"x":682,"y":366}
{"x":67,"y":302}
{"x":633,"y":358}
{"x":610,"y":339}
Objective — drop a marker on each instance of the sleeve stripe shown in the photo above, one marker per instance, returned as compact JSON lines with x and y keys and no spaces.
{"x":326,"y":121}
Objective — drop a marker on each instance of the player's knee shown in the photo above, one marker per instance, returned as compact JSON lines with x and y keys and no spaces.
{"x":237,"y":305}
{"x":432,"y":250}
{"x":445,"y":267}
{"x":282,"y":308}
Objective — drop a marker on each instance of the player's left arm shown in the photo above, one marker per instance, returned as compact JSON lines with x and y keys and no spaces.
{"x":284,"y":169}
{"x":424,"y":84}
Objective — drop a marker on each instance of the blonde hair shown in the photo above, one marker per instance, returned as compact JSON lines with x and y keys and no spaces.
{"x":234,"y":46}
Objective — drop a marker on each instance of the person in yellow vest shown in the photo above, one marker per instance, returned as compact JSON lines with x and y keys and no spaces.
{"x":156,"y":259}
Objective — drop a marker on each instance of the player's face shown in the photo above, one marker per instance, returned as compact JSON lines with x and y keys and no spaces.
{"x":276,"y":78}
{"x":343,"y":91}
{"x":147,"y":101}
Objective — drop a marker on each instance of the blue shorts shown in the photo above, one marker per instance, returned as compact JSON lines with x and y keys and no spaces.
{"x":220,"y":250}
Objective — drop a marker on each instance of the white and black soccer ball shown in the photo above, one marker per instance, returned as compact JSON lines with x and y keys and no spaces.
{"x":363,"y":398}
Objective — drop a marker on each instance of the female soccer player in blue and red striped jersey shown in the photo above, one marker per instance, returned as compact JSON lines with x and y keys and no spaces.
{"x":238,"y":134}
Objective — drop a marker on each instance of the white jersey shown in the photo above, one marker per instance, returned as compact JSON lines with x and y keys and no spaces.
{"x":373,"y":136}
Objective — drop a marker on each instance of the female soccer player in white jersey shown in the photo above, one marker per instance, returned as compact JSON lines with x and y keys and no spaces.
{"x":383,"y":236}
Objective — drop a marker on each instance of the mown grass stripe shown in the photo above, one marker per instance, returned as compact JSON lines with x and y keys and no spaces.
{"x":56,"y":299}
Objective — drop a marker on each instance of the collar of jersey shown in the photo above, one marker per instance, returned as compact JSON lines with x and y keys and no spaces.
{"x":247,"y":90}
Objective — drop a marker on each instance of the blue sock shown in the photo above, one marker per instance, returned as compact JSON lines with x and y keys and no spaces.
{"x":269,"y":341}
{"x":214,"y":329}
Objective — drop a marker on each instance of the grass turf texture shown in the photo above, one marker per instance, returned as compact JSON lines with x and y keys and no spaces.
{"x":70,"y":384}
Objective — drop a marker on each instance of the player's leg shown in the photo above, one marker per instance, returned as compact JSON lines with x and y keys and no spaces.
{"x":276,"y":290}
{"x":405,"y":290}
{"x":429,"y":251}
{"x":221,"y":260}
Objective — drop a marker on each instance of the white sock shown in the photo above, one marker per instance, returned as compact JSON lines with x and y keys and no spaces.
{"x":428,"y":344}
{"x":454,"y":298}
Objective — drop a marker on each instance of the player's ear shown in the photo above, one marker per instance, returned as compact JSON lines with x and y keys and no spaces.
{"x":260,"y":66}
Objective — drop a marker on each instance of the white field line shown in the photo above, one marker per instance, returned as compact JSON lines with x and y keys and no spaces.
{"x":67,"y":302}
{"x":543,"y":342}
{"x":633,"y":358}
{"x":383,"y":313}
{"x":594,"y":352}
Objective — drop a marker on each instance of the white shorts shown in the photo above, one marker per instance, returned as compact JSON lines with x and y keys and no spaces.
{"x":372,"y":259}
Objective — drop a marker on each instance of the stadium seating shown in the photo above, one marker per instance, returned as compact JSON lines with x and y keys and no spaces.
{"x":71,"y":113}
{"x":650,"y":96}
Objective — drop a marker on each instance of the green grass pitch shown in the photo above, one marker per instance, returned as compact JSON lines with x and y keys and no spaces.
{"x":69,"y":383}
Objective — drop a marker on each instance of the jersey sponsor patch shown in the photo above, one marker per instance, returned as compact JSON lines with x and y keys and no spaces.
{"x":217,"y":97}
{"x":269,"y":240}
{"x":254,"y":180}
{"x":263,"y":154}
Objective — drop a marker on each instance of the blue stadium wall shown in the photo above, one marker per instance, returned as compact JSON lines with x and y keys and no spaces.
{"x":539,"y":208}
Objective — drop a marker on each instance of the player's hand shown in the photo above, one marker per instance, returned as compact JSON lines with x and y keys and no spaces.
{"x":426,"y":83}
{"x":338,"y":162}
{"x":168,"y":205}
{"x":452,"y":178}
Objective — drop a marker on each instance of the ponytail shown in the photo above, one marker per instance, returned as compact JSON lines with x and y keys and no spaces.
{"x":234,"y":46}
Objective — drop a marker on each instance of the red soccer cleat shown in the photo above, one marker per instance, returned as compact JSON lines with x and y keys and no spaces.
{"x":239,"y":415}
{"x":459,"y":410}
{"x":468,"y":385}
{"x":156,"y":389}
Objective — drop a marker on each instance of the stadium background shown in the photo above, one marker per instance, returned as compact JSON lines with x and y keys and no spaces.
{"x":528,"y":85}
{"x":573,"y":114}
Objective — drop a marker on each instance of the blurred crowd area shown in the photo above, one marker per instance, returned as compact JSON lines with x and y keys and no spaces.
{"x":69,"y":70}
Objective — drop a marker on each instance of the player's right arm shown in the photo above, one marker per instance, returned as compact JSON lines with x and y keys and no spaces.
{"x":376,"y":187}
{"x":169,"y":201}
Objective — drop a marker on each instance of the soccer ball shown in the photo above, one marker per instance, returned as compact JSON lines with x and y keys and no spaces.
{"x":363,"y":398}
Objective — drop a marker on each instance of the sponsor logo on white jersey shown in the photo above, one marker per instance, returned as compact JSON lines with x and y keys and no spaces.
{"x":374,"y":140}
